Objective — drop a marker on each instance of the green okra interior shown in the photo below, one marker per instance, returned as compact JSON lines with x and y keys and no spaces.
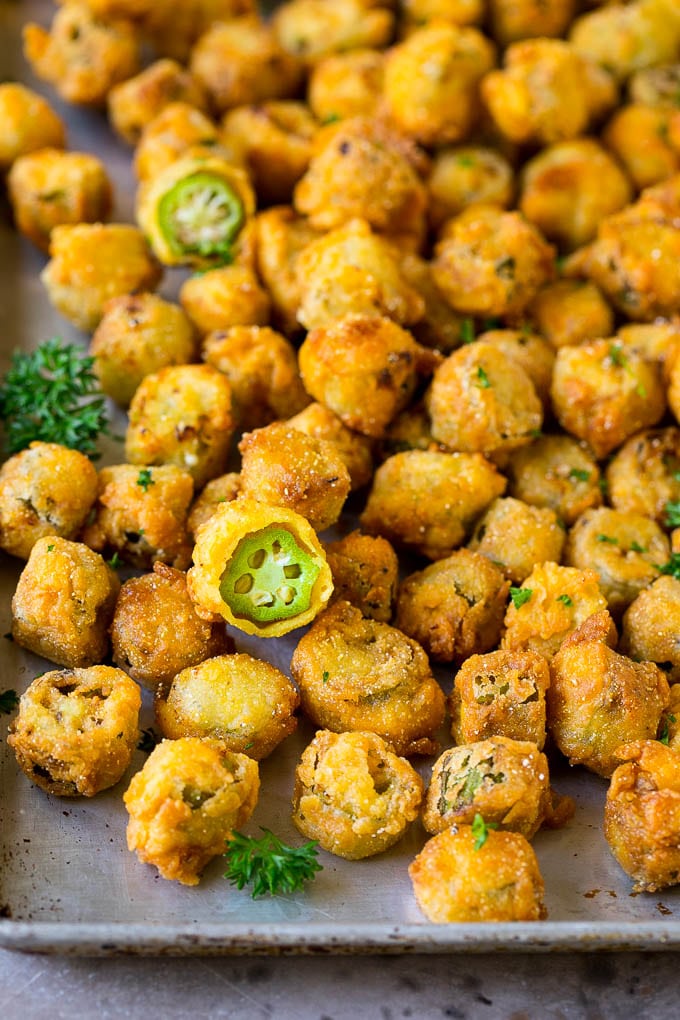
{"x":201,"y":214}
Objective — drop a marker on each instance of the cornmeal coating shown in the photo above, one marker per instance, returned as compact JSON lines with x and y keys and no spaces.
{"x":547,"y":92}
{"x":410,"y":430}
{"x":218,"y":490}
{"x":416,"y":13}
{"x":351,"y":271}
{"x":224,"y":297}
{"x":156,"y":632}
{"x":51,"y":187}
{"x":356,"y":451}
{"x":174,"y":26}
{"x":560,"y":599}
{"x":431,"y":82}
{"x":141,"y":514}
{"x":176,"y":129}
{"x":185,"y":803}
{"x":440,"y":327}
{"x":182,"y":415}
{"x":628,"y":38}
{"x":362,"y":169}
{"x":558,"y":473}
{"x":603,"y":392}
{"x":282,"y":466}
{"x":482,"y":400}
{"x":491,"y":263}
{"x":568,"y":188}
{"x":27,"y":123}
{"x":281,"y":236}
{"x":623,"y":548}
{"x":515,"y":535}
{"x":64,"y":602}
{"x":500,"y":694}
{"x":642,"y":814}
{"x":598,"y":699}
{"x":500,"y":881}
{"x":93,"y":262}
{"x":364,"y":368}
{"x":274,"y":141}
{"x":138,"y":335}
{"x":346,"y":85}
{"x":365,"y":573}
{"x":314,"y":29}
{"x":655,"y":86}
{"x":465,"y":175}
{"x":531,"y":352}
{"x":513,"y":20}
{"x":241,"y":61}
{"x":354,"y":794}
{"x":427,"y":500}
{"x":650,"y":626}
{"x":657,"y":341}
{"x":81,"y":55}
{"x":77,"y":729}
{"x":504,"y":780}
{"x":571,"y":311}
{"x":242,"y":701}
{"x":359,"y":674}
{"x":136,"y":102}
{"x":643,"y":139}
{"x":47,"y":489}
{"x":454,"y":607}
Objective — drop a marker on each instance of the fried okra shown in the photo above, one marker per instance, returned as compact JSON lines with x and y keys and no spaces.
{"x":365,"y":573}
{"x":219,"y":490}
{"x":182,"y":415}
{"x":353,"y":794}
{"x":657,"y":341}
{"x":185,"y":803}
{"x":643,"y":139}
{"x":515,"y":535}
{"x":174,"y":26}
{"x":243,"y":701}
{"x":466,"y":175}
{"x":354,"y":673}
{"x":547,"y":92}
{"x":623,"y":548}
{"x":176,"y":129}
{"x":571,"y":311}
{"x":141,"y":514}
{"x":431,"y":80}
{"x":599,"y":699}
{"x":47,"y":489}
{"x":93,"y":262}
{"x":454,"y":607}
{"x":604,"y":392}
{"x":346,"y":85}
{"x":500,"y":694}
{"x":569,"y":187}
{"x":352,"y":271}
{"x":416,"y":13}
{"x":552,"y":602}
{"x":513,"y":20}
{"x":261,"y":366}
{"x":64,"y":603}
{"x":461,"y":876}
{"x":224,"y":297}
{"x":156,"y":632}
{"x":314,"y":29}
{"x":534,"y":354}
{"x":362,"y":169}
{"x":136,"y":102}
{"x":82,"y":56}
{"x":483,"y":401}
{"x":356,"y":451}
{"x":626,"y":38}
{"x":364,"y":368}
{"x":51,"y":187}
{"x":260,"y":567}
{"x":491,"y":263}
{"x":427,"y":500}
{"x":651,"y":625}
{"x":76,"y":730}
{"x":241,"y":61}
{"x":655,"y":86}
{"x":27,"y":123}
{"x":642,"y":814}
{"x":558,"y":473}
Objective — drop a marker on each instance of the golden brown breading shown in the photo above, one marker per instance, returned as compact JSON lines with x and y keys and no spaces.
{"x":314,"y":29}
{"x":281,"y":236}
{"x":455,"y":607}
{"x":651,"y":625}
{"x":534,"y":354}
{"x":360,"y":674}
{"x":241,"y":700}
{"x":467,"y":175}
{"x":354,"y":794}
{"x":624,"y":38}
{"x":643,"y":139}
{"x":512,"y":20}
{"x":185,"y":803}
{"x":64,"y":603}
{"x":224,"y":297}
{"x":644,"y":474}
{"x":440,"y":327}
{"x":27,"y":123}
{"x":570,"y":311}
{"x":346,"y":85}
{"x":356,"y":451}
{"x":76,"y":729}
{"x":173,"y":26}
{"x":219,"y":490}
{"x":655,"y":86}
{"x":177,"y":128}
{"x":136,"y":102}
{"x":416,"y":13}
{"x":47,"y":489}
{"x":656,"y":341}
{"x":365,"y":573}
{"x":556,"y":472}
{"x":515,"y":535}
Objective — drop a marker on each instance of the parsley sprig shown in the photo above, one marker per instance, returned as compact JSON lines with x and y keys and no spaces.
{"x":268,"y":864}
{"x":480,"y":830}
{"x":52,"y":395}
{"x":672,"y":567}
{"x":8,"y":701}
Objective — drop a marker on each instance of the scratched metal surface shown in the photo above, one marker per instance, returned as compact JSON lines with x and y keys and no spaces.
{"x":69,"y":885}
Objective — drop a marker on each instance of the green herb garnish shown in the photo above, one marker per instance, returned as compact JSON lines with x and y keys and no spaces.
{"x":664,"y":735}
{"x":482,"y":379}
{"x":144,"y":479}
{"x":672,"y":511}
{"x":520,"y":595}
{"x":607,"y":539}
{"x":672,"y":567}
{"x":269,"y":865}
{"x":636,"y":547}
{"x":8,"y":701}
{"x":467,"y":331}
{"x":579,"y":475}
{"x":565,"y":599}
{"x":480,"y":830}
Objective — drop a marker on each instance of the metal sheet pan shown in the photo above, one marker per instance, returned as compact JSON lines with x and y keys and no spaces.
{"x":69,"y":885}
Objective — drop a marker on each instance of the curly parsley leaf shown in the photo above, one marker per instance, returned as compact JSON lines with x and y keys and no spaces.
{"x":269,"y":865}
